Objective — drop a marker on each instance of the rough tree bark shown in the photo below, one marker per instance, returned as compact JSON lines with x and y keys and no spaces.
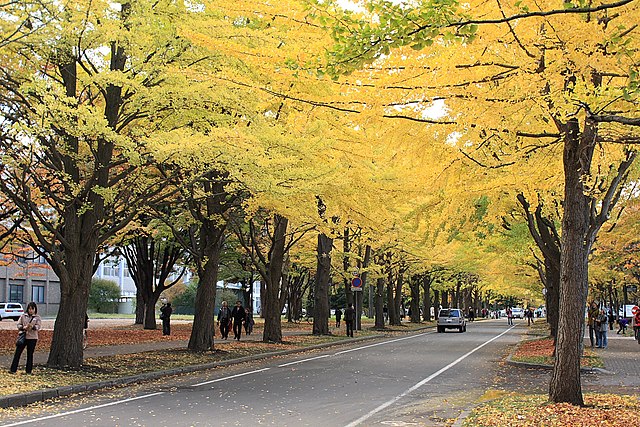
{"x":271,"y":302}
{"x":415,"y":299}
{"x":379,"y":303}
{"x":580,"y":224}
{"x":321,"y":294}
{"x":426,"y":302}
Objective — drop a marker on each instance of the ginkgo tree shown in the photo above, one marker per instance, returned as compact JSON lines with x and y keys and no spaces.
{"x":84,"y":88}
{"x":518,"y":78}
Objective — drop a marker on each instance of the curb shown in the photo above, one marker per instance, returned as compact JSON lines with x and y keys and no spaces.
{"x":584,"y":370}
{"x":23,"y":399}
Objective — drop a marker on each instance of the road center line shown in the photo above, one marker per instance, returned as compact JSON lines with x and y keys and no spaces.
{"x":303,"y":360}
{"x":232,"y":376}
{"x":77,"y":411}
{"x":421,"y":383}
{"x":382,"y":343}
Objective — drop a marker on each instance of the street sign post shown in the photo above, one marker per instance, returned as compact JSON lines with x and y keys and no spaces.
{"x":356,"y":284}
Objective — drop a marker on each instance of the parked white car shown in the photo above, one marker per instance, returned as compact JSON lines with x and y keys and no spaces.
{"x":10,"y":310}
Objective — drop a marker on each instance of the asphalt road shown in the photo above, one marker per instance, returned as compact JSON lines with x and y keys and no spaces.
{"x":427,"y":379}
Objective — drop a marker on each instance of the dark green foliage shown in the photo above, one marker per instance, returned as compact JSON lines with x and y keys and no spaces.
{"x":184,"y":302}
{"x":104,"y":295}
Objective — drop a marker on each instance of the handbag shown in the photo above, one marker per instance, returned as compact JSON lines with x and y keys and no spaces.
{"x":22,"y":339}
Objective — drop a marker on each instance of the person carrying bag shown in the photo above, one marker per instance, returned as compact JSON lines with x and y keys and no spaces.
{"x":29,"y":324}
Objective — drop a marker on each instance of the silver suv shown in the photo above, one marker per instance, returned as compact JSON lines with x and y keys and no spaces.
{"x":10,"y":310}
{"x":449,"y":318}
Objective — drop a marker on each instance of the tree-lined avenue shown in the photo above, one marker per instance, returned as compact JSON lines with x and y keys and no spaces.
{"x":424,"y":375}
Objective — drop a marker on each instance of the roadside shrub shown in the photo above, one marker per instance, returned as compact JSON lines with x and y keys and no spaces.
{"x":184,"y":302}
{"x":103,"y":296}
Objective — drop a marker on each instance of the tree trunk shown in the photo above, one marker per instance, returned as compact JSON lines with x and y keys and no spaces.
{"x":203,"y":328}
{"x":552,"y":297}
{"x":139,"y":308}
{"x":415,"y":299}
{"x":436,"y":303}
{"x":391,"y":306}
{"x":150,"y":312}
{"x":321,"y":294}
{"x":397,"y":298}
{"x":426,"y":302}
{"x":75,"y":279}
{"x":363,"y":276}
{"x":379,"y":303}
{"x":565,"y":385}
{"x":271,"y":304}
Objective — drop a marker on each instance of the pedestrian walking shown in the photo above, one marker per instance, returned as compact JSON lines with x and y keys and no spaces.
{"x":248,"y":321}
{"x":85,"y":336}
{"x":591,"y":321}
{"x":224,"y":320}
{"x":509,"y":316}
{"x":350,"y":319}
{"x":529,"y":316}
{"x":601,"y":326}
{"x":28,"y":324}
{"x":238,"y":315}
{"x":472,"y":314}
{"x":338,"y":317}
{"x":612,"y":318}
{"x":165,"y":316}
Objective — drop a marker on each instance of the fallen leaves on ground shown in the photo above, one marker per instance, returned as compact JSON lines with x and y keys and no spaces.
{"x":516,"y":410}
{"x":540,"y":351}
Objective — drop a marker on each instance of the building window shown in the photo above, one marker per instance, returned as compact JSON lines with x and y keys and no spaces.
{"x":111,"y":268}
{"x":37,"y":294}
{"x":16,"y":293}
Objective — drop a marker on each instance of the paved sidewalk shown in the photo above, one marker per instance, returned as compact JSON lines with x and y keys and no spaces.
{"x":622,"y":358}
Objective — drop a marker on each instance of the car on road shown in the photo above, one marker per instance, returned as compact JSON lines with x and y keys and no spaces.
{"x":517,"y":313}
{"x":11,"y":310}
{"x":451,"y":318}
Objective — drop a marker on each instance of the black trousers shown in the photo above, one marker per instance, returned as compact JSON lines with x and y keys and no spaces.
{"x":224,"y":328}
{"x":31,"y":346}
{"x":166,"y":326}
{"x":350,"y":324}
{"x":237,"y":329}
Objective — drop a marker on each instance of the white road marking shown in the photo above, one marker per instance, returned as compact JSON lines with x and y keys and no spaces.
{"x":232,"y":376}
{"x":77,"y":411}
{"x":304,"y":360}
{"x":421,"y":383}
{"x":382,"y":343}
